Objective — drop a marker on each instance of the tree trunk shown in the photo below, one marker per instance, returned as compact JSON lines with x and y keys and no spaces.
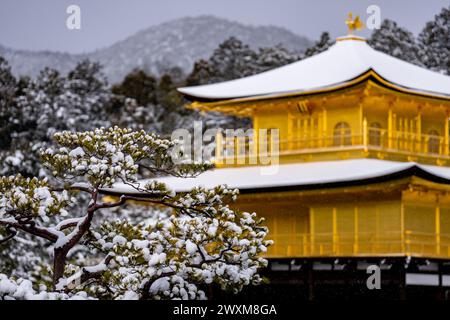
{"x":59,"y":264}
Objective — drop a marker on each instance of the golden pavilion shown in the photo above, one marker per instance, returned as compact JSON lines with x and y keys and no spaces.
{"x":364,"y":166}
{"x":363,"y":150}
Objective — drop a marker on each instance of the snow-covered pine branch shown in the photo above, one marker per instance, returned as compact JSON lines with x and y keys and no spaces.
{"x":22,"y":289}
{"x":199,"y":241}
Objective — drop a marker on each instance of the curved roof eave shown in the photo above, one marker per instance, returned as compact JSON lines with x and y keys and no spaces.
{"x":414,"y":171}
{"x":332,"y":69}
{"x":370,"y":74}
{"x":308,"y":176}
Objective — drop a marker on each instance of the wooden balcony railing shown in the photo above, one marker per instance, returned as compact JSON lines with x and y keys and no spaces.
{"x":407,"y":141}
{"x":370,"y":139}
{"x":362,"y":244}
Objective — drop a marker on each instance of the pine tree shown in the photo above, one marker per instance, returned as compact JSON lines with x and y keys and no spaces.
{"x":202,"y":73}
{"x":274,"y":57}
{"x":86,"y":98}
{"x":198,"y":241}
{"x":8,"y":90}
{"x":50,"y":103}
{"x":138,"y":85}
{"x":321,"y":45}
{"x":395,"y":41}
{"x":434,"y":42}
{"x":233,"y":60}
{"x":167,"y":94}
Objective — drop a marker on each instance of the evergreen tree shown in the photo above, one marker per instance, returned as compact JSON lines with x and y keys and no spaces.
{"x":167,"y":93}
{"x":86,"y":98}
{"x":321,"y":45}
{"x":176,"y":74}
{"x":51,"y":103}
{"x":395,"y":41}
{"x":8,"y":89}
{"x":202,"y":73}
{"x":199,"y":241}
{"x":233,"y":60}
{"x":434,"y":42}
{"x":151,"y":104}
{"x":139,"y":86}
{"x":274,"y":57}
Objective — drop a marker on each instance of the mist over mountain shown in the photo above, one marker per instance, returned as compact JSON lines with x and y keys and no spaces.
{"x":177,"y":43}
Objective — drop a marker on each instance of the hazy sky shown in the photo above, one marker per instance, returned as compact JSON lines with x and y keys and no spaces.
{"x":41,"y":24}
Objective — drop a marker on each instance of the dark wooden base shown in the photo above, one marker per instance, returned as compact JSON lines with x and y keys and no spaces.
{"x":346,"y":279}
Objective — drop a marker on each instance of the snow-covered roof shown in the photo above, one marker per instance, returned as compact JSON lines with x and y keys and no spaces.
{"x":300,"y":175}
{"x":348,"y":59}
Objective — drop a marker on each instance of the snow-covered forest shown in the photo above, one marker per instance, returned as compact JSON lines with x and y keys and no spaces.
{"x":60,"y":238}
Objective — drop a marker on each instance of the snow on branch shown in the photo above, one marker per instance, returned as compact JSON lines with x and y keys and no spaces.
{"x":105,"y":156}
{"x":199,"y":241}
{"x":23,"y":290}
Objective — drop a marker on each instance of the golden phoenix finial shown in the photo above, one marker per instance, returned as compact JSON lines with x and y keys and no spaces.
{"x":353,"y":24}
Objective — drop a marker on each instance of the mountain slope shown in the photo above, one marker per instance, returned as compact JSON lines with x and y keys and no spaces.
{"x":179,"y":43}
{"x":24,"y":62}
